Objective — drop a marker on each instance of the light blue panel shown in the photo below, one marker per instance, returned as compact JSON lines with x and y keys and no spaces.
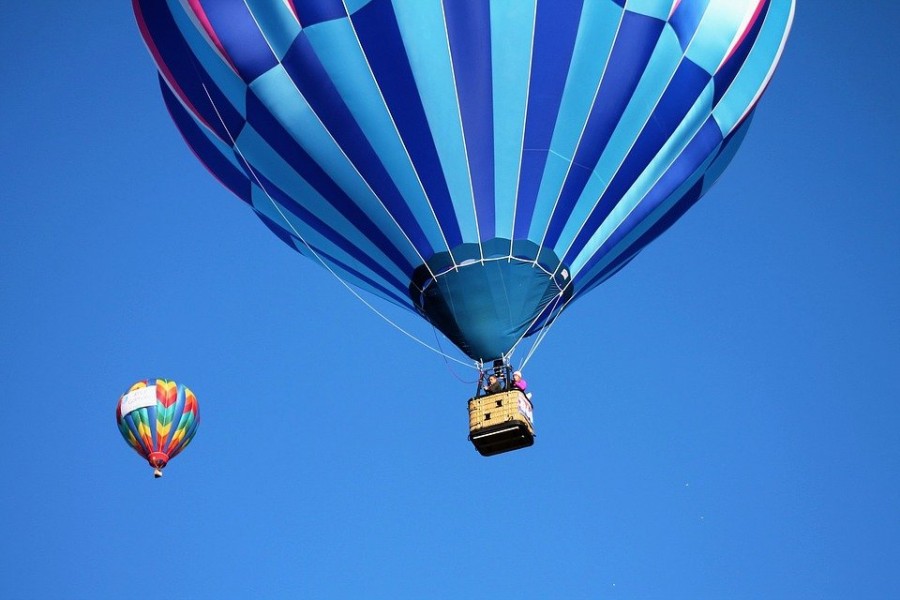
{"x":354,"y":5}
{"x":667,"y":155}
{"x":652,"y":8}
{"x":276,"y":22}
{"x":512,"y":30}
{"x":716,"y":32}
{"x":424,"y":35}
{"x":663,"y":63}
{"x":275,"y":169}
{"x":756,"y":71}
{"x":338,"y":49}
{"x":229,"y":82}
{"x":596,"y":34}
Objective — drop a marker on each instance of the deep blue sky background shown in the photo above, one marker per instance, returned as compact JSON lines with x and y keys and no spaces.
{"x":719,"y":420}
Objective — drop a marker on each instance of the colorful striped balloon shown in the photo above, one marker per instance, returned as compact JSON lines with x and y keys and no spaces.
{"x":480,"y":162}
{"x":158,"y":418}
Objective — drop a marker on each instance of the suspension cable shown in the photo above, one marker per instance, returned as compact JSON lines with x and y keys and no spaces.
{"x":309,"y":247}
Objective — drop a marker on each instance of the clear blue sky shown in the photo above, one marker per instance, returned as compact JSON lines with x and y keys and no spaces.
{"x":719,"y":420}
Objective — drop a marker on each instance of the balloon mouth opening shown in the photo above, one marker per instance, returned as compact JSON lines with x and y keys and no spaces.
{"x":486,"y":297}
{"x":158,"y":461}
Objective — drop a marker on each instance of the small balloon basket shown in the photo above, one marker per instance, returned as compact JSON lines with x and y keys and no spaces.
{"x":158,"y":460}
{"x":501,"y":422}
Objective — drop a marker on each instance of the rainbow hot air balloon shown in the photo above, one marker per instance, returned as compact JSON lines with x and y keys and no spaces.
{"x":158,"y":418}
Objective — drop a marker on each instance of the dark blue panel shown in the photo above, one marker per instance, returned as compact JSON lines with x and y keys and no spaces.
{"x":240,"y":36}
{"x":292,"y":241}
{"x":310,"y":12}
{"x":638,"y":36}
{"x":326,"y":231}
{"x":556,"y":29}
{"x":686,"y":85}
{"x":311,"y":79}
{"x":686,"y":20}
{"x":469,"y":30}
{"x":376,"y":26}
{"x":697,"y":151}
{"x":726,"y":74}
{"x":188,"y":73}
{"x":223,"y":170}
{"x":294,"y":154}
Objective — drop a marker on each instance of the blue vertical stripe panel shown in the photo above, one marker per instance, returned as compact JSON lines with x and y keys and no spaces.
{"x":380,"y":38}
{"x":424,"y":32}
{"x":395,"y":185}
{"x":555,"y":32}
{"x":635,"y":42}
{"x":512,"y":25}
{"x":599,"y":26}
{"x":312,"y":82}
{"x":469,"y":32}
{"x":240,"y":36}
{"x":665,"y":60}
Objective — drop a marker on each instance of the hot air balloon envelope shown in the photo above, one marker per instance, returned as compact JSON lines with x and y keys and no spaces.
{"x":480,"y":162}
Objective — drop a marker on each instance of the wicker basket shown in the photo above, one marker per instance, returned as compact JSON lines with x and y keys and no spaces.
{"x":501,"y":422}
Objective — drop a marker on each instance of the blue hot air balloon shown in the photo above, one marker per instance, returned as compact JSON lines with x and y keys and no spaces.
{"x":480,"y":162}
